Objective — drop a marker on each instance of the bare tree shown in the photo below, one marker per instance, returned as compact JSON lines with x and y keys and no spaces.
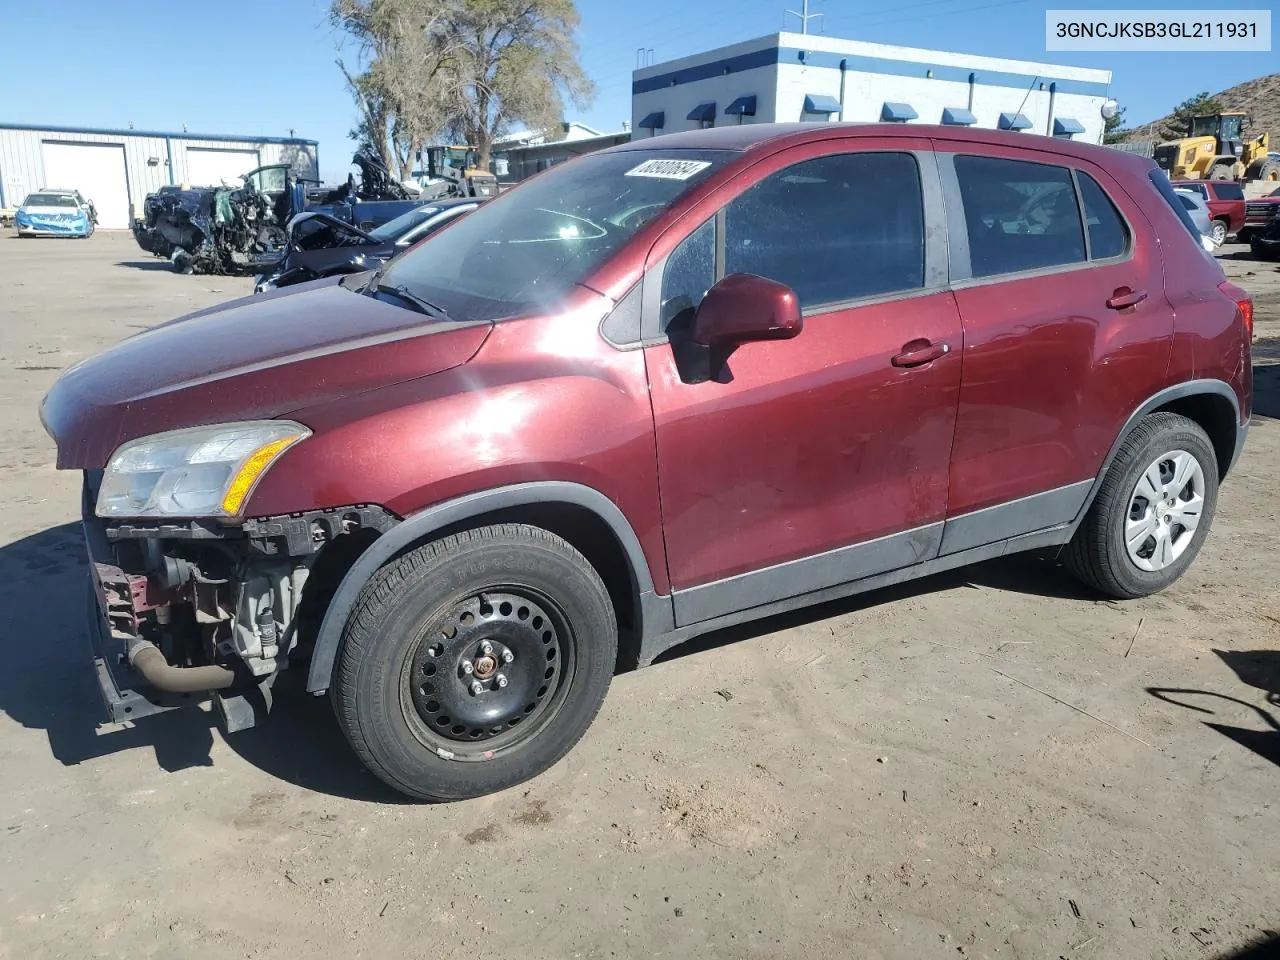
{"x":406,"y":47}
{"x":517,"y":62}
{"x":463,"y":68}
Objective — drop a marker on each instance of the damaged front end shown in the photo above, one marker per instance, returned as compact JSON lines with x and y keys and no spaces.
{"x":213,"y":231}
{"x":187,"y":611}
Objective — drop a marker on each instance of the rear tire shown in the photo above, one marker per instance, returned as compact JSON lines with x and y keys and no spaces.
{"x":1219,"y":232}
{"x":1268,"y":171}
{"x":1133,"y":541}
{"x":423,"y":688}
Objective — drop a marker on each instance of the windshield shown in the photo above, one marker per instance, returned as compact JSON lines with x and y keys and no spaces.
{"x":50,"y":200}
{"x":394,"y":229}
{"x":526,"y":249}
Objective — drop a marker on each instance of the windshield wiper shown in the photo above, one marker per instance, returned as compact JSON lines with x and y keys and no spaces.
{"x":408,"y":296}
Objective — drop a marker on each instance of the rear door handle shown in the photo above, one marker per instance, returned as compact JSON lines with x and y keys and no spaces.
{"x":919,"y":352}
{"x":1124,"y":298}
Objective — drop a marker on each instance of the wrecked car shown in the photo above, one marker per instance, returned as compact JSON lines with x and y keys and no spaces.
{"x":321,"y":246}
{"x":241,"y":229}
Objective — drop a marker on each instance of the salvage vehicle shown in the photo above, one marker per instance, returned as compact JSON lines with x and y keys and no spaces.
{"x":241,"y":229}
{"x":53,"y":214}
{"x":320,"y":246}
{"x":1265,"y":242}
{"x":1226,"y":205}
{"x":621,"y":405}
{"x":1258,"y":215}
{"x":85,"y":203}
{"x":1198,"y":210}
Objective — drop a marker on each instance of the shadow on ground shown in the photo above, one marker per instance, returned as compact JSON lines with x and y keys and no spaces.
{"x":1265,"y":947}
{"x":1259,"y":669}
{"x":1032,"y":574}
{"x":1266,"y":380}
{"x":48,"y":684}
{"x":161,"y":265}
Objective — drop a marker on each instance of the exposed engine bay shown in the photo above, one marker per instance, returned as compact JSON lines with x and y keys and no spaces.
{"x":196,"y":610}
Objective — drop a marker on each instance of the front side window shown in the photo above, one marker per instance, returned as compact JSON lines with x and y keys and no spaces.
{"x":834,"y":229}
{"x":1108,"y":236}
{"x":270,"y":180}
{"x":1019,"y":215}
{"x":689,"y":274}
{"x":527,"y":248}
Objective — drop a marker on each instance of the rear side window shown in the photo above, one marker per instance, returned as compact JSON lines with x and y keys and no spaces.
{"x":1228,"y":191}
{"x":1165,"y":189}
{"x":1107,"y":234}
{"x":833,"y":229}
{"x":1019,"y":215}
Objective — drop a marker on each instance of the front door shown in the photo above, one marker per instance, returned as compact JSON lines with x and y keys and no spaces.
{"x":821,"y":459}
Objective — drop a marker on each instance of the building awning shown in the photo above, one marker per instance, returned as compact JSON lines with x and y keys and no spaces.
{"x":958,"y":117}
{"x":704,"y":112}
{"x":1066,"y":126}
{"x":818,"y":103}
{"x":1014,"y":121}
{"x":897,"y":112}
{"x":743,"y":106}
{"x":654,"y":121}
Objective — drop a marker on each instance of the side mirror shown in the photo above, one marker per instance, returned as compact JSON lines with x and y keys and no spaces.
{"x":743,"y":308}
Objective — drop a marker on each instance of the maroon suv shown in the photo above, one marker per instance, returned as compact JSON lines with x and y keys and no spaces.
{"x":682,"y":383}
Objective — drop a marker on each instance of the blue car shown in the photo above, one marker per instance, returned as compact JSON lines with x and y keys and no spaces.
{"x":53,"y":214}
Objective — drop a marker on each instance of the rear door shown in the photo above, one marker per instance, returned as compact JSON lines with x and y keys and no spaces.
{"x":821,"y":459}
{"x":1067,"y":330}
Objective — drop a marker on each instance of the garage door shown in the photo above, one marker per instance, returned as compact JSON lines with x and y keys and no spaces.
{"x":97,"y":171}
{"x":208,"y":168}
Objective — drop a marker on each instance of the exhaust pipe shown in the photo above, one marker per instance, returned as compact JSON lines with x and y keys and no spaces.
{"x":146,"y":658}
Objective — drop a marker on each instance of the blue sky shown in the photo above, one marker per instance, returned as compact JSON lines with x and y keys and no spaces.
{"x":267,"y":68}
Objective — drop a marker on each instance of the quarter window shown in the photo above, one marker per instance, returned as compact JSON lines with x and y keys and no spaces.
{"x":1107,"y":234}
{"x":833,"y":229}
{"x":1019,"y":215}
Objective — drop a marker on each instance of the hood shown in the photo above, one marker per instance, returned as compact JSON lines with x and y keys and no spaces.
{"x":253,"y":358}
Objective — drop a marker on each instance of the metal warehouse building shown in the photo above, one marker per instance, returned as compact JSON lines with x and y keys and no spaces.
{"x":117,"y":168}
{"x":792,"y":76}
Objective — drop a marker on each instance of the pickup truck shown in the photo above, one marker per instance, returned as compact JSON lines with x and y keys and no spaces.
{"x":1226,"y":205}
{"x":1258,"y":214}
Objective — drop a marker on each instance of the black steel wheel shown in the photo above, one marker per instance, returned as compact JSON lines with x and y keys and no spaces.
{"x":489,"y":663}
{"x":474,"y":662}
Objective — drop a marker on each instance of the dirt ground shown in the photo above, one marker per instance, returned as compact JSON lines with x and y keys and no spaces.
{"x":983,"y":764}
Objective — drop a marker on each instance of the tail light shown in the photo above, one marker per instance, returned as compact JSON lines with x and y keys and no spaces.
{"x":1244,"y":304}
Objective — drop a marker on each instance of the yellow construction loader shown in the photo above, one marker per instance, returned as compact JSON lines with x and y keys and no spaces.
{"x":1217,"y":150}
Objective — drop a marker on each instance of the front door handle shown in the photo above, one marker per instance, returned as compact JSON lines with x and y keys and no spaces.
{"x":1124,"y":298}
{"x":919,"y":352}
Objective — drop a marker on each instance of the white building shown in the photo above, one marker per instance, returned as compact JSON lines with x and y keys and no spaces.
{"x":116,"y":169}
{"x":785,"y":77}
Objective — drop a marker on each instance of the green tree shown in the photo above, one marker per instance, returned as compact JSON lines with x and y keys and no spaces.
{"x":1179,"y":122}
{"x":1113,"y":130}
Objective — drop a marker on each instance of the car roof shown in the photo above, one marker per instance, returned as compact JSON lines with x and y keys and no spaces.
{"x":753,"y":136}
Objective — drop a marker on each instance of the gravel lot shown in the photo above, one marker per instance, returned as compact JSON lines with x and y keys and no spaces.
{"x":977,"y":765}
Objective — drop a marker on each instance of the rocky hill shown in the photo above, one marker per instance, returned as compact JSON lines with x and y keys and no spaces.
{"x":1258,"y":98}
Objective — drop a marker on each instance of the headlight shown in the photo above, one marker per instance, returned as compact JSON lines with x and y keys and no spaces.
{"x":200,"y":472}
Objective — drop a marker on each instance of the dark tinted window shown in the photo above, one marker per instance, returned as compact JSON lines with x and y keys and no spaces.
{"x":690,"y":272}
{"x":1019,"y":215}
{"x":1228,"y":191}
{"x":1107,"y":234}
{"x":833,"y":228}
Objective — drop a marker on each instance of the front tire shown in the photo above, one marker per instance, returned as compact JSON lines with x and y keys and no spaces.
{"x":475,"y":662}
{"x":1152,"y":512}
